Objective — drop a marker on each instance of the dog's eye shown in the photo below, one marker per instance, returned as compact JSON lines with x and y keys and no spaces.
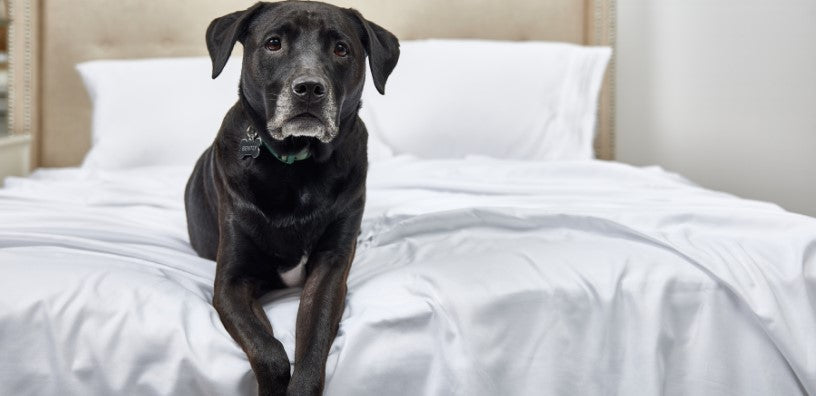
{"x":340,"y":49}
{"x":273,"y":44}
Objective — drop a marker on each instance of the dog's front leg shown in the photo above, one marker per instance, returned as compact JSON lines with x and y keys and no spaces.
{"x":321,"y":305}
{"x":237,"y":288}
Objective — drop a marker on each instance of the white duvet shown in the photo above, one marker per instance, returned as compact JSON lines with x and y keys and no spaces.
{"x":472,"y":277}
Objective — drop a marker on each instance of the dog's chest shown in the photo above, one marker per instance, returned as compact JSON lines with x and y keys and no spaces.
{"x":295,"y":276}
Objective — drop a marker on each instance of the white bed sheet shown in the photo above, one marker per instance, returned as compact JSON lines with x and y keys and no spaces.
{"x":472,"y":277}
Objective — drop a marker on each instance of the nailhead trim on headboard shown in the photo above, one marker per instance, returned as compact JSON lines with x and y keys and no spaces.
{"x":604,"y":15}
{"x":21,"y":21}
{"x":12,"y":32}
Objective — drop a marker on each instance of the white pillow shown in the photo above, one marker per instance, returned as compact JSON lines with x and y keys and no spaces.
{"x":519,"y":100}
{"x":155,"y":111}
{"x":163,"y":111}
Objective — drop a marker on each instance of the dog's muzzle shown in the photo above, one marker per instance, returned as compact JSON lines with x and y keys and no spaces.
{"x":307,"y":108}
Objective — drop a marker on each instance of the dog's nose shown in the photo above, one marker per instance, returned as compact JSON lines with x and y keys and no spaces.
{"x":309,"y":88}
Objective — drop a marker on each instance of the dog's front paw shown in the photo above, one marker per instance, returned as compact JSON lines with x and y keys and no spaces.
{"x":272,"y":386}
{"x":273,"y":378}
{"x":299,"y":386}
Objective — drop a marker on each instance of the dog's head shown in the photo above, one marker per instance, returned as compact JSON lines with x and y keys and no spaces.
{"x":304,"y":63}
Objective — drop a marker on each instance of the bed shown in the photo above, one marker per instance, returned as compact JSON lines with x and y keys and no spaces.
{"x":473,"y":276}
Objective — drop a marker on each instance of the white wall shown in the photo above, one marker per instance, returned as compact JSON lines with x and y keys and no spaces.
{"x":723,"y":92}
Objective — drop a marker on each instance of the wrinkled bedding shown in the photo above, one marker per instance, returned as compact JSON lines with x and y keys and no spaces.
{"x":472,"y":277}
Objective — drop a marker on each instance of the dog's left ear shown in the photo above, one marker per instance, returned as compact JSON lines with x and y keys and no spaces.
{"x":382,"y":48}
{"x":224,"y":32}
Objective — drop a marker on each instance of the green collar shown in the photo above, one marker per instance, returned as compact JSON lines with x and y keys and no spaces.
{"x":290,"y":159}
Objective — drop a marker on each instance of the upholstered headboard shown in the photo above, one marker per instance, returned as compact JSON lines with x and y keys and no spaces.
{"x":49,"y":37}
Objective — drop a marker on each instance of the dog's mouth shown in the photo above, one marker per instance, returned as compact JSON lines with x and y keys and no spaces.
{"x":302,"y":125}
{"x":305,"y":117}
{"x":303,"y":122}
{"x":294,"y":145}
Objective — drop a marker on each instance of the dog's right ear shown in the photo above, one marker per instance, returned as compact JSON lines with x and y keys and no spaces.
{"x":382,"y":48}
{"x":223,"y":32}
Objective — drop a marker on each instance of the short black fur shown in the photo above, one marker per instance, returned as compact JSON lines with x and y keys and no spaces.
{"x":258,"y":218}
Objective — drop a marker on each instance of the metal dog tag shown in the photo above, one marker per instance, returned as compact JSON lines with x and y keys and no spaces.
{"x":250,"y":146}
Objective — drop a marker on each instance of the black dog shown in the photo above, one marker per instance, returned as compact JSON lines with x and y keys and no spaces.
{"x":278,"y":198}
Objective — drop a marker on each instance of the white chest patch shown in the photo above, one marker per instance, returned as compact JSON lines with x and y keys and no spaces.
{"x":296,"y":276}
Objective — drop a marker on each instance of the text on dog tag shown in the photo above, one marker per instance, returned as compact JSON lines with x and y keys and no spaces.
{"x":250,"y":147}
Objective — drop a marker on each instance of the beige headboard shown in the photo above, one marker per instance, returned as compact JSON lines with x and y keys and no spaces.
{"x":49,"y":37}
